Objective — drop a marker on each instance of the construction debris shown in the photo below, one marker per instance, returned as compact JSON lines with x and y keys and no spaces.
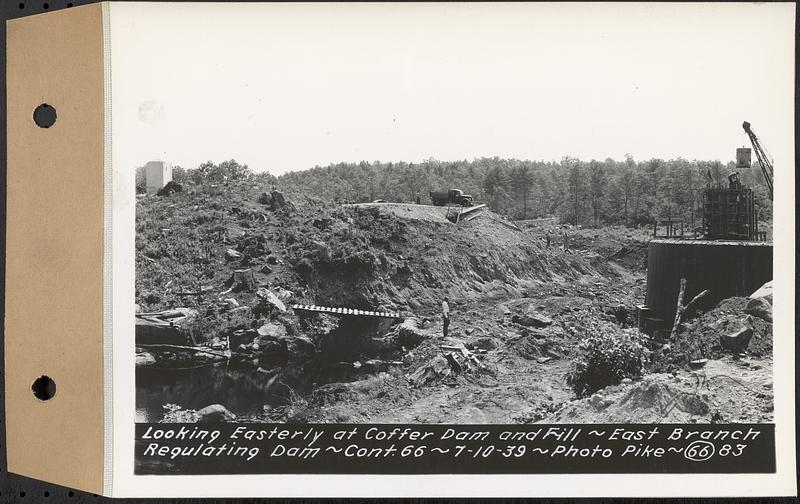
{"x":460,"y":358}
{"x":169,"y":326}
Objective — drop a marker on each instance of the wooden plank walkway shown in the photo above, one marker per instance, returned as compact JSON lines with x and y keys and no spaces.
{"x":346,"y":311}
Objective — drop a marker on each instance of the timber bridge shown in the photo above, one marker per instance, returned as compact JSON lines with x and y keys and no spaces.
{"x":347,"y":311}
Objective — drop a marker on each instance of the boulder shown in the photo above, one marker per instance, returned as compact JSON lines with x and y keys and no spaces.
{"x":170,"y":188}
{"x":145,"y":359}
{"x":408,"y":334}
{"x":272,"y":330}
{"x":322,"y":224}
{"x":285,"y":295}
{"x":231,"y":303}
{"x":437,"y":368}
{"x":215,"y":413}
{"x":268,"y":297}
{"x":759,"y":307}
{"x":265,"y":199}
{"x":301,"y":346}
{"x":765,"y":291}
{"x":736,"y":342}
{"x":273,"y":354}
{"x":532,"y":319}
{"x":322,"y":252}
{"x":241,"y":338}
{"x":485,"y":343}
{"x":278,"y":200}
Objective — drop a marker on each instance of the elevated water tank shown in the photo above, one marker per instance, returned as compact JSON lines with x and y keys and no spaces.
{"x":157,"y":174}
{"x":743,"y":157}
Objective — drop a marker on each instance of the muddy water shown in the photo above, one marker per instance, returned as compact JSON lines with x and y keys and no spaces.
{"x":240,"y":391}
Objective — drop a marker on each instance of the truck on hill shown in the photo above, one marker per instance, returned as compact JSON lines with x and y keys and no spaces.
{"x":453,"y":197}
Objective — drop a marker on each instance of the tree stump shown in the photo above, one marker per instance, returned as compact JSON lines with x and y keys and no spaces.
{"x":244,"y":279}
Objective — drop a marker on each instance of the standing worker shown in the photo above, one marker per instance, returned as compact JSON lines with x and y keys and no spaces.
{"x":445,"y":316}
{"x":548,"y":239}
{"x":419,"y":200}
{"x":566,"y":242}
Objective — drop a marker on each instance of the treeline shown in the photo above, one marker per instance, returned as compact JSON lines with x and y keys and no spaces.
{"x":208,"y":173}
{"x":589,"y":193}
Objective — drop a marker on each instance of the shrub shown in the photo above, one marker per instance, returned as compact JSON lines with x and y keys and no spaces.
{"x":606,"y":355}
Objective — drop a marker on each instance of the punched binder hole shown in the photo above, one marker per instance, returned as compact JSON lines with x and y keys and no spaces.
{"x":44,"y":388}
{"x":21,"y":5}
{"x":44,"y":115}
{"x":46,"y":6}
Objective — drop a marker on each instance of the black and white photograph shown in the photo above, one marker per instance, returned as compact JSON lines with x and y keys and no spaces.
{"x":399,"y":250}
{"x":455,"y":214}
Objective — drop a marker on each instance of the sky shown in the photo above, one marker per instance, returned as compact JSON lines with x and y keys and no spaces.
{"x":285,"y":87}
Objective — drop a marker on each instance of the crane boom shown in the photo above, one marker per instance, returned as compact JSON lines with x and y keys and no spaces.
{"x":763,"y":159}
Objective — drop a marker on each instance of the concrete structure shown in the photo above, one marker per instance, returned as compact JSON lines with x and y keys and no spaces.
{"x":724,"y":268}
{"x":157,"y":174}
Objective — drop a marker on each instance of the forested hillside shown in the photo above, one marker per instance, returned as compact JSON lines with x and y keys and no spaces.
{"x":600,"y":192}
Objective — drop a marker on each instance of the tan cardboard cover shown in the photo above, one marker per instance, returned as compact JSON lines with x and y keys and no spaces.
{"x":54,"y":255}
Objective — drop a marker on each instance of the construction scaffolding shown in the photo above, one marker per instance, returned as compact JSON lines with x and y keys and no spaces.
{"x":729,"y":214}
{"x":671,"y":228}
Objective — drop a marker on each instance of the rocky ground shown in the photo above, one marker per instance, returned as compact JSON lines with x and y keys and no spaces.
{"x":240,"y":258}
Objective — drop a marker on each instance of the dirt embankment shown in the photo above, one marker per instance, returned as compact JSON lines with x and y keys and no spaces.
{"x":725,"y":390}
{"x":190,"y":244}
